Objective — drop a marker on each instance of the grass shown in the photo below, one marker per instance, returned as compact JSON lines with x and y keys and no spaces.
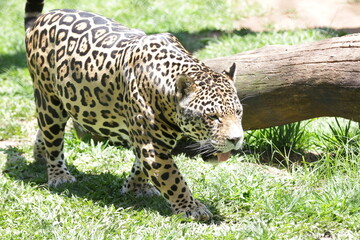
{"x":253,"y":196}
{"x":245,"y":40}
{"x":279,"y":143}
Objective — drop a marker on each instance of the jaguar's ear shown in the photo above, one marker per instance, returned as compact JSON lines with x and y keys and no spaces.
{"x":232,"y":72}
{"x":185,"y":85}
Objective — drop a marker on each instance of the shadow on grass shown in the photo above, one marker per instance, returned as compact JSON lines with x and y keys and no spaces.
{"x":17,"y":60}
{"x":104,"y":188}
{"x":196,"y":41}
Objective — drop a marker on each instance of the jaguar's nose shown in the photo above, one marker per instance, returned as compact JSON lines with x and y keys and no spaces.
{"x":236,"y":141}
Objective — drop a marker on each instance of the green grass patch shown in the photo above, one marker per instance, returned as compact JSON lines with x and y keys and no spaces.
{"x":16,"y":103}
{"x":245,"y":40}
{"x":280,"y":196}
{"x":161,"y":15}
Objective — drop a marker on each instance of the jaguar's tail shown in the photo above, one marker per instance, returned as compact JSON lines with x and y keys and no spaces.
{"x":33,"y":9}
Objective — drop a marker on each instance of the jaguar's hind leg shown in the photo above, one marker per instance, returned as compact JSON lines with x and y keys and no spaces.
{"x":52,"y":119}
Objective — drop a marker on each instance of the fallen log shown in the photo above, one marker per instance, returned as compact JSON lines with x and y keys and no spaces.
{"x":284,"y":84}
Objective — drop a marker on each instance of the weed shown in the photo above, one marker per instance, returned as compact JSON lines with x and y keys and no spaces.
{"x":343,"y":137}
{"x":279,"y":143}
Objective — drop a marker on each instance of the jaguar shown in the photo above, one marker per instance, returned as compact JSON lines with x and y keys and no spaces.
{"x":143,"y":90}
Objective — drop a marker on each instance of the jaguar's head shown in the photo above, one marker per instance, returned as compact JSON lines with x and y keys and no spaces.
{"x":209,"y":111}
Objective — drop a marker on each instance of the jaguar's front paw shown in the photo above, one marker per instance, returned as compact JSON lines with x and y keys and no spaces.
{"x":60,"y":178}
{"x":196,"y":211}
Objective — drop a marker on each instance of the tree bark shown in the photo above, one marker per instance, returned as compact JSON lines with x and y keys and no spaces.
{"x":284,"y":84}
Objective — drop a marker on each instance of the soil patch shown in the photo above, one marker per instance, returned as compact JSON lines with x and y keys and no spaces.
{"x":304,"y":14}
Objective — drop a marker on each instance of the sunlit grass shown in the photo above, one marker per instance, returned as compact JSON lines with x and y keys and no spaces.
{"x":244,"y":40}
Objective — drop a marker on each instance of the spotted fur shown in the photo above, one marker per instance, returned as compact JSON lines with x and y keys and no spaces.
{"x":143,"y":90}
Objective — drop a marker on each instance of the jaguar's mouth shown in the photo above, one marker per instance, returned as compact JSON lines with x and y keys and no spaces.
{"x":208,"y":151}
{"x":222,"y":157}
{"x":216,"y":157}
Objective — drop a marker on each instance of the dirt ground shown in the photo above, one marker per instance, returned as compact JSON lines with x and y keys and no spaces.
{"x":304,"y":14}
